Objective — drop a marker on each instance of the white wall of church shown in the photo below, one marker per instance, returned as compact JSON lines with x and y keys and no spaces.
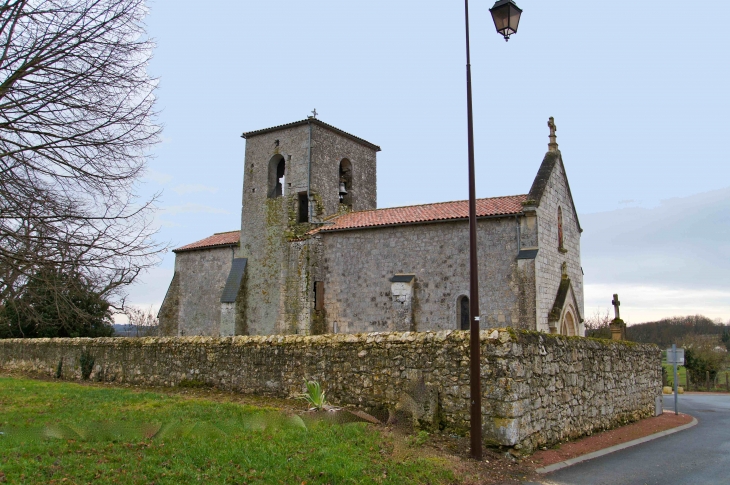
{"x":550,"y":259}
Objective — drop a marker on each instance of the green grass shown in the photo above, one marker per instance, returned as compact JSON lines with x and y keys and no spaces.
{"x":681,"y":374}
{"x":682,"y":378}
{"x":109,"y":435}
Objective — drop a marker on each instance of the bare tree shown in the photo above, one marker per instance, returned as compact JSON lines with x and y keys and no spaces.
{"x":599,"y":325}
{"x":76,"y":122}
{"x":143,"y":323}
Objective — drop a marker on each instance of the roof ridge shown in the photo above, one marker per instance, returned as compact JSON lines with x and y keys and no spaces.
{"x":433,"y":203}
{"x":224,"y":232}
{"x":316,"y":121}
{"x":219,"y":239}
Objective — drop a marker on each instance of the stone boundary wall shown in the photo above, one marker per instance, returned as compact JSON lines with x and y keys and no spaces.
{"x":538,"y":389}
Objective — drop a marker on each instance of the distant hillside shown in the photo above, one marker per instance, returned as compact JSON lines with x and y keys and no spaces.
{"x":664,"y":332}
{"x":670,"y":331}
{"x":125,"y":330}
{"x":667,"y":331}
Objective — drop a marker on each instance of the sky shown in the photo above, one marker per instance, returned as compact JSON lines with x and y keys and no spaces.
{"x":639,"y":95}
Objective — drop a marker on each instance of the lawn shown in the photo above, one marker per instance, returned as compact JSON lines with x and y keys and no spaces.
{"x":56,"y":432}
{"x":694,"y":386}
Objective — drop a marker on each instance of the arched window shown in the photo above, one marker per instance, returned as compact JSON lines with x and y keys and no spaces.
{"x":345,"y":186}
{"x":277,"y":172}
{"x":560,"y":228}
{"x":462,"y":312}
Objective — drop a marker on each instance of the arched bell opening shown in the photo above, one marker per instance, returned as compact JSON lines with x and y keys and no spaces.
{"x":345,"y":185}
{"x":277,"y":176}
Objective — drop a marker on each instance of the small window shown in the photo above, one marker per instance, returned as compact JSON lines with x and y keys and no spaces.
{"x":560,"y":228}
{"x":303,"y":208}
{"x":319,"y":297}
{"x":462,"y":312}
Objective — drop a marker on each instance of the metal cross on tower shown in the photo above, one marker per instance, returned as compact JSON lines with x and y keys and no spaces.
{"x":314,"y":113}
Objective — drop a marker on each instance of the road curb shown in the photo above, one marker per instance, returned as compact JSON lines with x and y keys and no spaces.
{"x":611,"y":449}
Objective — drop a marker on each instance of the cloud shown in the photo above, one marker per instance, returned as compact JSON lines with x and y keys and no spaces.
{"x":644,"y":303}
{"x":672,"y":259}
{"x":194,"y":188}
{"x":158,"y":177}
{"x":191,"y":209}
{"x":164,"y":223}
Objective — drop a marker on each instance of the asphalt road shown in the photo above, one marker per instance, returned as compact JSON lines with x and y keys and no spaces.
{"x":699,"y":455}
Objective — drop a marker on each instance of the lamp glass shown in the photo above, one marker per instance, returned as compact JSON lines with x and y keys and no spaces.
{"x":506,"y":15}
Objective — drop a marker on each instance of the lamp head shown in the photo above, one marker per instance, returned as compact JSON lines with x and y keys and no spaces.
{"x":506,"y":15}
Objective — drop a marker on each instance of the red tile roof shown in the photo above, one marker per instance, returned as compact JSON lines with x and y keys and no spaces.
{"x":219,"y":239}
{"x":413,"y":214}
{"x":442,"y":211}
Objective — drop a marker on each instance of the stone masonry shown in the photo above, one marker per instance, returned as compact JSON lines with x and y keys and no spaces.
{"x":358,"y":266}
{"x":192,"y":305}
{"x":538,"y":389}
{"x":268,"y":224}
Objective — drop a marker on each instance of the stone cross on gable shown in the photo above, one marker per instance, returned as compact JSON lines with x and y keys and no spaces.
{"x":314,"y":113}
{"x":553,"y":145}
{"x":616,"y":304}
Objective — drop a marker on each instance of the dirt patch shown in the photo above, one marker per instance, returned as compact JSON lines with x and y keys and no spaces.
{"x":606,"y":439}
{"x":496,"y":468}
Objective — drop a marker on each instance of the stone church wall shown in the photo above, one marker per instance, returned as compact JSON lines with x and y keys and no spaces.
{"x":537,"y":389}
{"x":358,"y":265}
{"x":202,"y":275}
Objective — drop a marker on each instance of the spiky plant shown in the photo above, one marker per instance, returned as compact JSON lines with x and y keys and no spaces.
{"x":314,"y":395}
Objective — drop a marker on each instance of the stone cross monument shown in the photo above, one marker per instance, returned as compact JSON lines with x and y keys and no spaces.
{"x":553,"y":145}
{"x":616,"y":304}
{"x":618,"y":327}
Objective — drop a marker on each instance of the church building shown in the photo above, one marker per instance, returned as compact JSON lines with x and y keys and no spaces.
{"x":315,"y":255}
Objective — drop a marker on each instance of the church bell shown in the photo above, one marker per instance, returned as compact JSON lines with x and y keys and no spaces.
{"x":343,"y":190}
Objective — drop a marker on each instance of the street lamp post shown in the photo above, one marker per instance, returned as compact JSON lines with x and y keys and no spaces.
{"x":506,"y":16}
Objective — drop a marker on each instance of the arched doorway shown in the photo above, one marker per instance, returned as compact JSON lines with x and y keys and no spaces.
{"x":568,"y":326}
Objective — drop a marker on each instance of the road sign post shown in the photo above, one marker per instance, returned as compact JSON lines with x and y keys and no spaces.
{"x":675,"y":356}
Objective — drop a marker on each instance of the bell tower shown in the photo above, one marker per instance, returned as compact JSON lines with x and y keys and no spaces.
{"x":296,"y":176}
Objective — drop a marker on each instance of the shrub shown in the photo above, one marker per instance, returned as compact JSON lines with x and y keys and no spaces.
{"x":54,"y":304}
{"x":701,"y":355}
{"x":87,"y":364}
